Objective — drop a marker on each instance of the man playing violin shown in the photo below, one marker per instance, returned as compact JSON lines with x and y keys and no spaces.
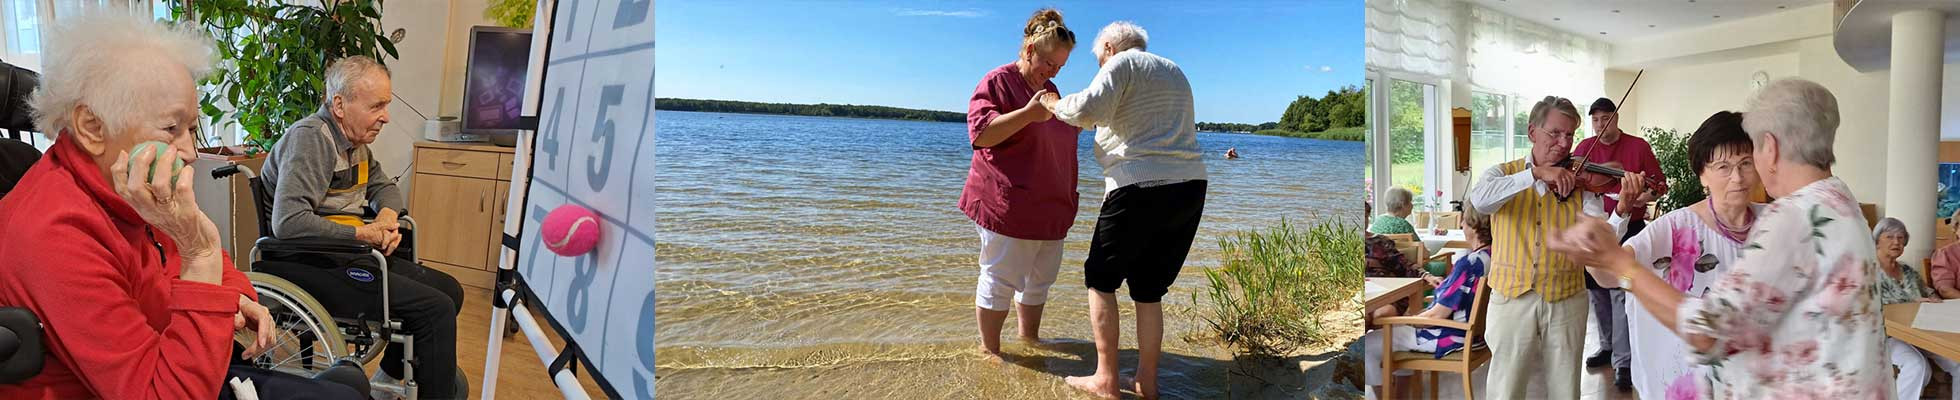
{"x":1534,"y":313}
{"x":1614,"y":147}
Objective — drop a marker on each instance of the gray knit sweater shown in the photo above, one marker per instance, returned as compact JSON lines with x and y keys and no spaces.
{"x":314,"y":172}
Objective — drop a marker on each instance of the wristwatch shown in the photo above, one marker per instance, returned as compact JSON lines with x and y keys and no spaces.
{"x":1626,"y":282}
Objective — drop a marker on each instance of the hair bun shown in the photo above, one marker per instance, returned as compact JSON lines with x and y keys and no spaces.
{"x":1043,"y":20}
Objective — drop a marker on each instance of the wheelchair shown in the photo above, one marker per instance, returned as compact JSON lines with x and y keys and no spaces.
{"x":311,"y":339}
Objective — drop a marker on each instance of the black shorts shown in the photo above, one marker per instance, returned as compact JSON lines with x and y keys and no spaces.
{"x":1142,"y":237}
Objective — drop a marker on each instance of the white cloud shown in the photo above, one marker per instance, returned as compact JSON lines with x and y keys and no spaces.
{"x":968,"y":13}
{"x":1324,"y":68}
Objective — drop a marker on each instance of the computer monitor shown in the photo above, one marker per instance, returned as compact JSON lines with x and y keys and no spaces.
{"x":493,"y":82}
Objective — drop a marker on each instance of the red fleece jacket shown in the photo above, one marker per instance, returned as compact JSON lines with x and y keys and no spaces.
{"x":118,"y":323}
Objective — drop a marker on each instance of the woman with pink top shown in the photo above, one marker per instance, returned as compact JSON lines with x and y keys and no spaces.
{"x":1946,"y":262}
{"x":1020,"y":189}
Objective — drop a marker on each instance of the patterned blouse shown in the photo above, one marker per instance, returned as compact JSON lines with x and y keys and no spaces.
{"x":1797,"y":316}
{"x":1905,"y":289}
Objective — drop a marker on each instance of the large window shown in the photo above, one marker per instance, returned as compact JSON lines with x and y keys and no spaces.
{"x":1409,"y":138}
{"x":1491,"y":132}
{"x":1368,"y":130}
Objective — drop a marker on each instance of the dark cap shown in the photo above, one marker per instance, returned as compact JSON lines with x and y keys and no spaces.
{"x":1603,"y":104}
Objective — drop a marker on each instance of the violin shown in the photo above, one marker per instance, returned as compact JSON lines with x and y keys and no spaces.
{"x":1603,"y":178}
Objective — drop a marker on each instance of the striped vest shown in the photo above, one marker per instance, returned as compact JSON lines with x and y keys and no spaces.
{"x":1518,"y":228}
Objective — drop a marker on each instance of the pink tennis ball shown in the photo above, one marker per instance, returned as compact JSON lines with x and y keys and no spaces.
{"x":571,"y":230}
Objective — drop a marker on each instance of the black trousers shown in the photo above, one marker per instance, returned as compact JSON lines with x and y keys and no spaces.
{"x":426,"y":300}
{"x":279,"y":385}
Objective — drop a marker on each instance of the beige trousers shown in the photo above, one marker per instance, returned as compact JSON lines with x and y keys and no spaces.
{"x":1535,"y":343}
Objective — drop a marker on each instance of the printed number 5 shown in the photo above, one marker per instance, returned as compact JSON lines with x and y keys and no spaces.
{"x":599,"y":164}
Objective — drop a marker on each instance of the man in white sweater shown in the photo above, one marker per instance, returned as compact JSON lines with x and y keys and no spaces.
{"x":1154,"y":195}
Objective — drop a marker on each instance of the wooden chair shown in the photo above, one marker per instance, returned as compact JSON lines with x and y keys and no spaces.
{"x":1462,"y":362}
{"x":1926,"y":272}
{"x":1446,"y":219}
{"x":1447,"y":257}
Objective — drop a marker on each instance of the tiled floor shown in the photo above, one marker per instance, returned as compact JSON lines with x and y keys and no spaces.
{"x":1593,"y":384}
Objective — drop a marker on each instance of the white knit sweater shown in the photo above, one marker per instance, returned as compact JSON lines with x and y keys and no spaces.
{"x":1146,"y":129}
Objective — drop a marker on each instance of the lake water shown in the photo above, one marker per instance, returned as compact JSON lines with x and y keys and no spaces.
{"x":814,"y":257}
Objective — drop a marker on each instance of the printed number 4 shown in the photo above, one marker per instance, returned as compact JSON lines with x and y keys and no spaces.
{"x":549,"y":142}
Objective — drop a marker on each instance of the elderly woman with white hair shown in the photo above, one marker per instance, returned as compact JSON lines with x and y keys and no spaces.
{"x":1153,"y":194}
{"x":1899,"y":282}
{"x":1394,"y":219}
{"x":107,"y":245}
{"x":1797,"y":315}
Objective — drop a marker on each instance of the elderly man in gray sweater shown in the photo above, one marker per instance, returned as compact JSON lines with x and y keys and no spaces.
{"x":322,"y":177}
{"x":1154,"y":194}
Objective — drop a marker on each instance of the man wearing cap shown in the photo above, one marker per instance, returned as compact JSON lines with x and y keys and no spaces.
{"x":1611,"y":145}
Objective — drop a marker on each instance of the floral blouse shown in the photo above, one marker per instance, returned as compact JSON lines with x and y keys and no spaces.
{"x":1690,"y":255}
{"x":1906,"y":289}
{"x":1797,"y":317}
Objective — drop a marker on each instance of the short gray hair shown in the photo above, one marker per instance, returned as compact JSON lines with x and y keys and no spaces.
{"x":1398,"y":199}
{"x":1550,"y":104}
{"x":1802,"y":114}
{"x":88,"y":60}
{"x":348,"y":71}
{"x":1122,"y":35}
{"x":1891,"y":225}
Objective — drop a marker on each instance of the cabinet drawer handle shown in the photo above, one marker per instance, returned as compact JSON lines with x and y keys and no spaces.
{"x":452,"y":164}
{"x":479,"y":202}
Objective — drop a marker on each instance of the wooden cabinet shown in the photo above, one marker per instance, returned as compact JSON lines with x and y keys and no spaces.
{"x":458,"y":201}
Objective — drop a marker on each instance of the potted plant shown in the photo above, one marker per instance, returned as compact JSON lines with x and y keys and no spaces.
{"x":272,"y":59}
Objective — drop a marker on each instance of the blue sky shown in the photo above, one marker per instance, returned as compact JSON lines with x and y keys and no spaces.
{"x":1246,"y":60}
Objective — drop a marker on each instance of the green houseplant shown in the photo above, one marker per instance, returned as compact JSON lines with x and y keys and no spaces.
{"x":273,"y":55}
{"x":1671,"y":149}
{"x":511,"y":13}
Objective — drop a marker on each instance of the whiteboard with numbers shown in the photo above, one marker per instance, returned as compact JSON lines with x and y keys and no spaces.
{"x":593,"y":148}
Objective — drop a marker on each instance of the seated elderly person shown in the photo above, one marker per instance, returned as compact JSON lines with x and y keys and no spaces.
{"x":1396,"y":207}
{"x":323,"y":177}
{"x":1945,"y":270}
{"x":106,"y":244}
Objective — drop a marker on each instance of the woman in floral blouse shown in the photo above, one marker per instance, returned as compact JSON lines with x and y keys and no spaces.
{"x":1796,"y":316}
{"x":1899,"y":282}
{"x":1691,"y":247}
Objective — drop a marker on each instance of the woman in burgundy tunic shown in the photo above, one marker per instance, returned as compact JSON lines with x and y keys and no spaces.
{"x":1020,"y":190}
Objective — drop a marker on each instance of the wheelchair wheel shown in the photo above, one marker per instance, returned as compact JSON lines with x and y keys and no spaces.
{"x":307,"y":341}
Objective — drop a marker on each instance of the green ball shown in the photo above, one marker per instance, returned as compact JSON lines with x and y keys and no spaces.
{"x":163,"y":151}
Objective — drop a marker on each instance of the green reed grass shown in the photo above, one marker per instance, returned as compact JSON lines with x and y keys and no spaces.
{"x":1272,"y":286}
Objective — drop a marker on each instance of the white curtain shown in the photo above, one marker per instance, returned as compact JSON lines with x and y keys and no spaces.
{"x":23,"y":23}
{"x":1510,"y":54}
{"x":1412,"y":36}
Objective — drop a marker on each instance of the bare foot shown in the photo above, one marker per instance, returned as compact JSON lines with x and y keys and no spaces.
{"x":993,"y":357}
{"x":1104,"y":388}
{"x":1146,"y":393}
{"x":1039,"y":343}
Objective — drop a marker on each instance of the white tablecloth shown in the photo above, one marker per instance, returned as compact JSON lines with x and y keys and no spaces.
{"x":1435,"y":242}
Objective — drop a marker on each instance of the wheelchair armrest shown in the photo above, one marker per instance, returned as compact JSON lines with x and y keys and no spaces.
{"x":21,"y":351}
{"x":314,"y":245}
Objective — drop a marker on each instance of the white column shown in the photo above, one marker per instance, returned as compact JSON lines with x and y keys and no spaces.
{"x":1911,"y":153}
